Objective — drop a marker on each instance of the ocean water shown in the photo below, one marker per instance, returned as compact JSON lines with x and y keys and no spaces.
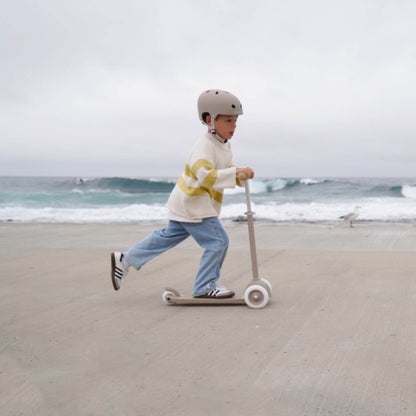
{"x":143,"y":200}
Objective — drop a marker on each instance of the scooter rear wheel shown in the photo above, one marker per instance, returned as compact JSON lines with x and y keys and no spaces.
{"x":167,"y":297}
{"x":256,"y":296}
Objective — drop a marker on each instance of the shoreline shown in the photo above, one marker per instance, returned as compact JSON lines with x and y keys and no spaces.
{"x":227,"y":222}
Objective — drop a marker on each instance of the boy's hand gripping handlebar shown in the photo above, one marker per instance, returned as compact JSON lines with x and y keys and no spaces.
{"x":244,"y":173}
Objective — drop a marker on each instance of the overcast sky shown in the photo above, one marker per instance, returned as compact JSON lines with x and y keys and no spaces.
{"x":109,"y":88}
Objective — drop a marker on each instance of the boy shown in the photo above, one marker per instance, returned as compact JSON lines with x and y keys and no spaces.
{"x":195,"y":202}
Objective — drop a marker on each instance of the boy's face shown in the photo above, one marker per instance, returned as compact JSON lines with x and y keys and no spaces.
{"x":225,"y":126}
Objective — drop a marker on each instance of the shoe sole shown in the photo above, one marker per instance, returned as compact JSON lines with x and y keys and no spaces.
{"x":113,"y":271}
{"x":215,"y":297}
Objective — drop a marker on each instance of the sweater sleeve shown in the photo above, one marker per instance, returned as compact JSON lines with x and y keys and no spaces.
{"x":211,"y":178}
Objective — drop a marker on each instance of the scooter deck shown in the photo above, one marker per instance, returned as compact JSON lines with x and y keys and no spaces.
{"x":206,"y":301}
{"x":185,"y":300}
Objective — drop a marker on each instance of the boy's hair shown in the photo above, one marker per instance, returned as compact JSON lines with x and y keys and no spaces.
{"x":205,"y":115}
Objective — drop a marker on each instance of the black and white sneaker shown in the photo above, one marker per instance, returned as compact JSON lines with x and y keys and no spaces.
{"x":220,"y":292}
{"x":118,"y":270}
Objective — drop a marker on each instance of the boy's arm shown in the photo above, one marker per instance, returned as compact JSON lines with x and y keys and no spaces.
{"x":212,"y":178}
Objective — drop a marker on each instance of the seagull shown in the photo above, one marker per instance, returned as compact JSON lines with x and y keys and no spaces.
{"x":352,"y":215}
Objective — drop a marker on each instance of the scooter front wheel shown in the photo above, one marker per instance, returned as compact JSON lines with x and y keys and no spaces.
{"x":256,"y":296}
{"x":268,"y":284}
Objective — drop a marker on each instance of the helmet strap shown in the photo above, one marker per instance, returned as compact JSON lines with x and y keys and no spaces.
{"x":212,"y":126}
{"x":214,"y":132}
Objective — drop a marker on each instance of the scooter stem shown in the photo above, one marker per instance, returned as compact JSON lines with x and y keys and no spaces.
{"x":252,"y":239}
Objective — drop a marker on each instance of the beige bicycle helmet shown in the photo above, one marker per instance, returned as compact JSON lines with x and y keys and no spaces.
{"x":216,"y":102}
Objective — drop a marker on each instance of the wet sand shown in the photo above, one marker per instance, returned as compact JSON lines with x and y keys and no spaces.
{"x":338,"y":337}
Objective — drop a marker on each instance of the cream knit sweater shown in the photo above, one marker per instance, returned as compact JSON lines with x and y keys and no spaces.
{"x":199,"y":190}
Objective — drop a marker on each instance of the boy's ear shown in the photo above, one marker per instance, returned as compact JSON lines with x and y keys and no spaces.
{"x":208,"y":120}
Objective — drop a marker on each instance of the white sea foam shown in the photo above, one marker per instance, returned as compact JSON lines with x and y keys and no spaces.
{"x":256,"y":187}
{"x":409,"y":191}
{"x":131,"y":213}
{"x":275,"y":184}
{"x":371,"y":210}
{"x":393,"y":210}
{"x":309,"y":181}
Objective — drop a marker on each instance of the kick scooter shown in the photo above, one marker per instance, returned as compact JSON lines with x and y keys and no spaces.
{"x":258,"y":291}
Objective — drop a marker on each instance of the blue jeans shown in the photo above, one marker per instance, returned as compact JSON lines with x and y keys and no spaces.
{"x":209,"y":234}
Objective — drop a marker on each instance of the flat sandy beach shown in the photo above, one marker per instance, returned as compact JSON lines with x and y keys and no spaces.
{"x":338,"y":337}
